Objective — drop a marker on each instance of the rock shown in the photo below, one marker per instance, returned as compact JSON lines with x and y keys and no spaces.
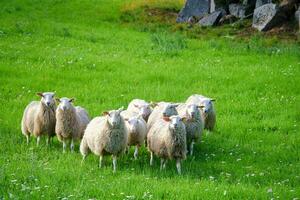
{"x":263,"y":15}
{"x":237,"y":10}
{"x":261,"y":2}
{"x":195,"y":8}
{"x":269,"y":15}
{"x":227,"y":19}
{"x":211,"y":19}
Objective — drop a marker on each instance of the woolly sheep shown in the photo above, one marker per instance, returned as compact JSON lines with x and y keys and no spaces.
{"x":70,"y":122}
{"x":39,"y":118}
{"x":207,"y":111}
{"x":137,"y":130}
{"x":167,"y":140}
{"x":140,"y":107}
{"x":193,"y":124}
{"x":163,"y":109}
{"x":105,"y":135}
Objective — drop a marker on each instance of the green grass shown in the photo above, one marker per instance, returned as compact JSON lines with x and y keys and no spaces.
{"x":83,"y":49}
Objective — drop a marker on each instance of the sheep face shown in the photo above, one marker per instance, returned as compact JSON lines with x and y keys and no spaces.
{"x":192,"y":111}
{"x":47,"y":98}
{"x":169,"y":110}
{"x":133,"y":123}
{"x":175,"y":122}
{"x":206,"y":105}
{"x":114,"y":117}
{"x":144,"y":110}
{"x":65,"y":103}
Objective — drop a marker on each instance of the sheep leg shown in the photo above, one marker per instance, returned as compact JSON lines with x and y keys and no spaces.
{"x":178,"y":166}
{"x":151,"y":158}
{"x":115,"y":163}
{"x":38,"y":139}
{"x":165,"y":163}
{"x":192,"y":147}
{"x":83,"y":159}
{"x":64,"y":146}
{"x":48,"y":140}
{"x":100,"y":161}
{"x":72,"y":145}
{"x":162,"y":163}
{"x":27,"y":139}
{"x":136,"y":152}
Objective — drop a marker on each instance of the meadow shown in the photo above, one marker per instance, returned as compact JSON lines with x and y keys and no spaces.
{"x":83,"y":49}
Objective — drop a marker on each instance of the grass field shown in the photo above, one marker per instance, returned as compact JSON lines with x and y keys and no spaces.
{"x":82,"y":49}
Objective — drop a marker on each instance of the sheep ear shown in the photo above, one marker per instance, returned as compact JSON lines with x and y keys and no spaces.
{"x":212,"y":99}
{"x":175,"y":104}
{"x":153,"y":104}
{"x":121,"y":109}
{"x":71,"y":100}
{"x":183,"y":119}
{"x":167,"y":119}
{"x":40,"y":94}
{"x":57,"y":100}
{"x":137,"y":106}
{"x":105,"y":113}
{"x":201,"y":106}
{"x":126,"y":119}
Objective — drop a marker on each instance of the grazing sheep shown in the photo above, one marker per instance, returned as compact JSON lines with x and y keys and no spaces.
{"x":137,"y":130}
{"x":163,"y":109}
{"x":70,"y":122}
{"x":193,"y":124}
{"x":105,"y":135}
{"x":167,"y":140}
{"x":207,"y":109}
{"x":139,"y":107}
{"x":39,"y":118}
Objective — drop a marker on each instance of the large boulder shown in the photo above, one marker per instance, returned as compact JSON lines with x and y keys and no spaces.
{"x":237,"y":10}
{"x":193,"y":8}
{"x":263,"y":15}
{"x":211,"y":19}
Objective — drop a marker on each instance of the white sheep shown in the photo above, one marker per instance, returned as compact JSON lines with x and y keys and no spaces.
{"x":70,"y":122}
{"x":193,"y":124}
{"x":207,"y":109}
{"x":167,"y":140}
{"x":39,"y":118}
{"x":105,"y":135}
{"x":137,"y":130}
{"x":139,"y":107}
{"x":162,"y":109}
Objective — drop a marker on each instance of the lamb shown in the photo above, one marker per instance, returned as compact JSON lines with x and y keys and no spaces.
{"x":167,"y":140}
{"x":163,"y":109}
{"x":138,"y":107}
{"x":39,"y":118}
{"x":207,"y":111}
{"x":105,"y":135}
{"x":137,"y":130}
{"x":193,"y":123}
{"x":70,"y":122}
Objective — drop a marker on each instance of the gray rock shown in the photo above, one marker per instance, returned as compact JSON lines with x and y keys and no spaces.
{"x":237,"y":10}
{"x":261,"y":2}
{"x":211,"y":19}
{"x":263,"y":17}
{"x":195,"y":8}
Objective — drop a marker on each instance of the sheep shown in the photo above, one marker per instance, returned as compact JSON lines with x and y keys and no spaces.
{"x":105,"y":135}
{"x":70,"y":122}
{"x":39,"y":118}
{"x":137,"y":130}
{"x":163,"y":109}
{"x":167,"y":140}
{"x":207,"y":111}
{"x":193,"y":124}
{"x":140,"y":107}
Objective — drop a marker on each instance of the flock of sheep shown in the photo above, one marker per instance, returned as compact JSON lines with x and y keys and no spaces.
{"x":169,"y":130}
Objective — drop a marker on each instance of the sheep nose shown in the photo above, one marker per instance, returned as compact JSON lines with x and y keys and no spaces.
{"x":205,"y":111}
{"x":48,"y":103}
{"x":165,"y":114}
